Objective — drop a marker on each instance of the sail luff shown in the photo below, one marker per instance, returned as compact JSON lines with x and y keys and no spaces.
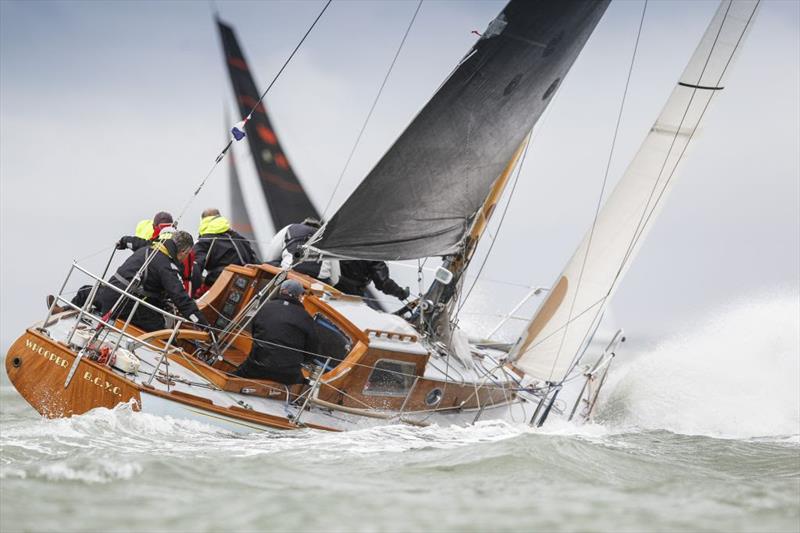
{"x":563,"y":325}
{"x":422,"y":196}
{"x":286,"y":198}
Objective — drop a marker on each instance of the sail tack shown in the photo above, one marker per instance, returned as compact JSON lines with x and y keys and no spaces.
{"x":287,"y":200}
{"x":553,"y":340}
{"x":420,"y":198}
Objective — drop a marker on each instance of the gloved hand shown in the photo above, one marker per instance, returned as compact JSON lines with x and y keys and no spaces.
{"x":121,"y":244}
{"x":199,"y":321}
{"x":404,"y":293}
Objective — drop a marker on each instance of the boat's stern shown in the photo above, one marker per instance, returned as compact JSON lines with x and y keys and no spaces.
{"x":38,"y":368}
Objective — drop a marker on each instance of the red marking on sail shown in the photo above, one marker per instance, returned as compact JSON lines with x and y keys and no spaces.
{"x":238,"y":62}
{"x":281,"y":183}
{"x":249,"y":102}
{"x":266,"y":134}
{"x":281,"y":161}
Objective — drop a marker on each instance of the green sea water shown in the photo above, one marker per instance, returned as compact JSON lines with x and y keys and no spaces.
{"x":697,"y":432}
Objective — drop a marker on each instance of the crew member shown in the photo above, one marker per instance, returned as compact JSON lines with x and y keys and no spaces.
{"x":356,"y":275}
{"x":285,"y":249}
{"x":217,"y":247}
{"x":147,"y":231}
{"x":159,"y":282}
{"x":283,"y":337}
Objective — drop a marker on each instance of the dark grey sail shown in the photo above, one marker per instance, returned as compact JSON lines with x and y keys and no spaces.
{"x":420,"y":199}
{"x":240,"y":220}
{"x":287,"y":200}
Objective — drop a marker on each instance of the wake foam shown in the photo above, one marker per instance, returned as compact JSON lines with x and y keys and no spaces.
{"x":737,"y":376}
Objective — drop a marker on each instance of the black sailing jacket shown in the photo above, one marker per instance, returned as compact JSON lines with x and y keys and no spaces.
{"x":282,"y":332}
{"x":213,"y":252}
{"x":356,"y":275}
{"x":161,"y":281}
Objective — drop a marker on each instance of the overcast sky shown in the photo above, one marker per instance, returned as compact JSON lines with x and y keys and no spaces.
{"x":111,"y":111}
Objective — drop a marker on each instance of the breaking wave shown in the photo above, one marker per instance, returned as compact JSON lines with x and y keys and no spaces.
{"x":735,"y":376}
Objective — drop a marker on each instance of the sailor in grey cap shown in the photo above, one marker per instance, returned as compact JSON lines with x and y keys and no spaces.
{"x":291,"y":289}
{"x":283,"y":337}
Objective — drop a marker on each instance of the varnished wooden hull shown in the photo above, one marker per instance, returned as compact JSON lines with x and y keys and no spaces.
{"x":38,"y":366}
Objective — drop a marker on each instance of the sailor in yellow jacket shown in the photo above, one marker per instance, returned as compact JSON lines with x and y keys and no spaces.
{"x":217,"y":247}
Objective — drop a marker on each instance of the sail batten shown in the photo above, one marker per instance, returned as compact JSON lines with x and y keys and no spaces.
{"x":422,"y":196}
{"x":560,"y":330}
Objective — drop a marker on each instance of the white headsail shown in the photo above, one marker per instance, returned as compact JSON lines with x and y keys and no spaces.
{"x":566,"y":321}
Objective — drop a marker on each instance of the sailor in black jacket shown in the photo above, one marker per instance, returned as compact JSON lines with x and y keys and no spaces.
{"x":356,"y":275}
{"x":217,"y":247}
{"x":283,"y":337}
{"x":161,"y":281}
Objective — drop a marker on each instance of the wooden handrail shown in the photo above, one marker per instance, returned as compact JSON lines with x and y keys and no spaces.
{"x":185,"y":334}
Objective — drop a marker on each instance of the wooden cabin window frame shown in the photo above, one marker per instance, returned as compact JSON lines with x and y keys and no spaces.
{"x":407,"y":373}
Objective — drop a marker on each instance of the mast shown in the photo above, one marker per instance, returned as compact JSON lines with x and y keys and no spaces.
{"x":441,"y":295}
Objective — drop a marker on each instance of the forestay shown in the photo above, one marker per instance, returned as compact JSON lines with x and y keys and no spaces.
{"x":559,"y":331}
{"x":420,"y":198}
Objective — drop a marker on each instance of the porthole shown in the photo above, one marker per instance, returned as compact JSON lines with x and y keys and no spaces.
{"x":434,"y":397}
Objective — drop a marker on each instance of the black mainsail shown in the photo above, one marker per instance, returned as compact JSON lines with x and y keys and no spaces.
{"x":421,"y":197}
{"x":287,"y":201}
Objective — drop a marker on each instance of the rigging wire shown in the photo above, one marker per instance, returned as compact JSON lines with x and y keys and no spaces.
{"x":645,"y":217}
{"x":139,"y":273}
{"x":221,"y":155}
{"x":371,"y":110}
{"x":603,"y":186}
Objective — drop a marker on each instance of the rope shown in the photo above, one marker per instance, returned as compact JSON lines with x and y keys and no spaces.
{"x":221,"y":155}
{"x":371,"y":109}
{"x":603,"y":186}
{"x":94,"y":254}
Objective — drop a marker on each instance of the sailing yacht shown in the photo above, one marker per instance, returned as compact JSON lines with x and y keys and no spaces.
{"x":431,"y":195}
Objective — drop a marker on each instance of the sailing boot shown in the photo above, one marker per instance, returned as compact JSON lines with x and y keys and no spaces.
{"x":56,"y":308}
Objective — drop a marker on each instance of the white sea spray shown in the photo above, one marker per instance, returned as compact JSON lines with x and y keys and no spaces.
{"x":737,"y":375}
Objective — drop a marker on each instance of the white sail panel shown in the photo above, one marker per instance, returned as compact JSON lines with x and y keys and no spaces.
{"x":554,"y":339}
